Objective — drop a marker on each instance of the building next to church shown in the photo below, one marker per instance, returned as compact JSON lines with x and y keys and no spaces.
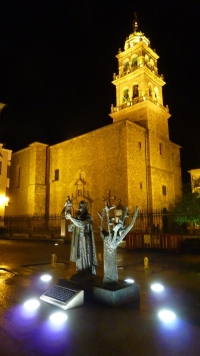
{"x":5,"y":161}
{"x":131,"y":159}
{"x":195,"y":179}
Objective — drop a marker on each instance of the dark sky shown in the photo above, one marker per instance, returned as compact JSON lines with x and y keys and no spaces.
{"x":58,"y":57}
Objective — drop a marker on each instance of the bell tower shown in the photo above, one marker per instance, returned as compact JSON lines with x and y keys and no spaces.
{"x":151,"y":157}
{"x":139,"y":85}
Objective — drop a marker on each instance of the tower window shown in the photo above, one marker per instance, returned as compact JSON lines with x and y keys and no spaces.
{"x":150,"y":90}
{"x":56,"y":174}
{"x":0,"y":167}
{"x":134,"y":62}
{"x":126,"y":95}
{"x":164,"y":190}
{"x":135,"y":92}
{"x":140,"y":145}
{"x":161,"y":148}
{"x":140,"y":185}
{"x":126,"y":66}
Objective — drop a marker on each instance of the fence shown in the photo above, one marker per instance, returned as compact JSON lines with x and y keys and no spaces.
{"x":148,"y":222}
{"x":156,"y":221}
{"x":32,"y":224}
{"x":161,"y":241}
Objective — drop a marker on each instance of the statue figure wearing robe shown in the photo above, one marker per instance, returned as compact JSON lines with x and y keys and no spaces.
{"x":83,"y":250}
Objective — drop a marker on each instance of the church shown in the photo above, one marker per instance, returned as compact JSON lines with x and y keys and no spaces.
{"x":132,"y":159}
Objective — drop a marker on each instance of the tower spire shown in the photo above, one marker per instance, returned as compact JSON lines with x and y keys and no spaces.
{"x":135,"y":22}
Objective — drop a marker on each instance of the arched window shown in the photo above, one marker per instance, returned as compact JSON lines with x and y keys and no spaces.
{"x":150,"y":90}
{"x":156,"y":93}
{"x":126,"y":65}
{"x":135,"y":91}
{"x":134,"y":61}
{"x":125,"y":95}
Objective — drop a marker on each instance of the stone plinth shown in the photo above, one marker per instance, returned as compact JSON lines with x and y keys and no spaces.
{"x":112,"y":295}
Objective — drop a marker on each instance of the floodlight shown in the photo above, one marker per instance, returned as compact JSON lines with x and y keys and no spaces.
{"x":167,"y":315}
{"x":45,"y":277}
{"x":32,"y":304}
{"x":157,"y":287}
{"x":129,"y":280}
{"x":58,"y":318}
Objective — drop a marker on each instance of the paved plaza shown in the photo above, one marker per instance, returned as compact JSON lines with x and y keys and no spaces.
{"x":96,"y":329}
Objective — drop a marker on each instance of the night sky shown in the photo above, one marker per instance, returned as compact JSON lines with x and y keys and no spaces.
{"x":58,"y":58}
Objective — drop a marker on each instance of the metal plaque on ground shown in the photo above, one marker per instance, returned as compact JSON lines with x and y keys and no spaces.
{"x":64,"y":298}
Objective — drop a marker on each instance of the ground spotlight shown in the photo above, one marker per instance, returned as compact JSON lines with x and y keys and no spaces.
{"x":58,"y":318}
{"x":45,"y":278}
{"x":157,"y":287}
{"x":31,"y":304}
{"x":166,"y":315}
{"x":129,"y":280}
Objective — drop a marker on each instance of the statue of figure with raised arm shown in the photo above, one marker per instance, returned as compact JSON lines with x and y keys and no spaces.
{"x":111,"y":239}
{"x":83,"y":250}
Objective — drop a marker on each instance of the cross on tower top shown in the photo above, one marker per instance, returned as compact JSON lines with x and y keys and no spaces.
{"x":108,"y":198}
{"x":135,"y":22}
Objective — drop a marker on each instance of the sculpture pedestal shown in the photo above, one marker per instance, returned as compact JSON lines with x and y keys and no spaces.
{"x":112,"y":295}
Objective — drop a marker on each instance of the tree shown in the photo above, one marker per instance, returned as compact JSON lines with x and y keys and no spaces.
{"x":187,"y":208}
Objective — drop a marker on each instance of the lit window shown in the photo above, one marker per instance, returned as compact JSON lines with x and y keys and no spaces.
{"x":79,"y":192}
{"x":56,"y":174}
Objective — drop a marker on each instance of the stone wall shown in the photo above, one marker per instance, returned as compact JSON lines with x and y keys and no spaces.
{"x":28,"y":181}
{"x":122,"y":158}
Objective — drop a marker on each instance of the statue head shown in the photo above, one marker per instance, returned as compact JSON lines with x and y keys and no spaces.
{"x":82,"y":210}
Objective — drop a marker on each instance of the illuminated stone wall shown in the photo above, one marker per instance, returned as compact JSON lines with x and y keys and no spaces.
{"x":136,"y":166}
{"x":28,"y":181}
{"x":123,"y":158}
{"x":100,"y":158}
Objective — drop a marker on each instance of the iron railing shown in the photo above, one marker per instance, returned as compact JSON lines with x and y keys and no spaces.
{"x":32,"y":224}
{"x":155,"y":221}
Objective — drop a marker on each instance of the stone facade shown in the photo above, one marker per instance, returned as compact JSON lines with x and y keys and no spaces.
{"x":28,"y":181}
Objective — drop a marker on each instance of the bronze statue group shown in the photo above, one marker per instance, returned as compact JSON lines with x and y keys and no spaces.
{"x":83,"y":249}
